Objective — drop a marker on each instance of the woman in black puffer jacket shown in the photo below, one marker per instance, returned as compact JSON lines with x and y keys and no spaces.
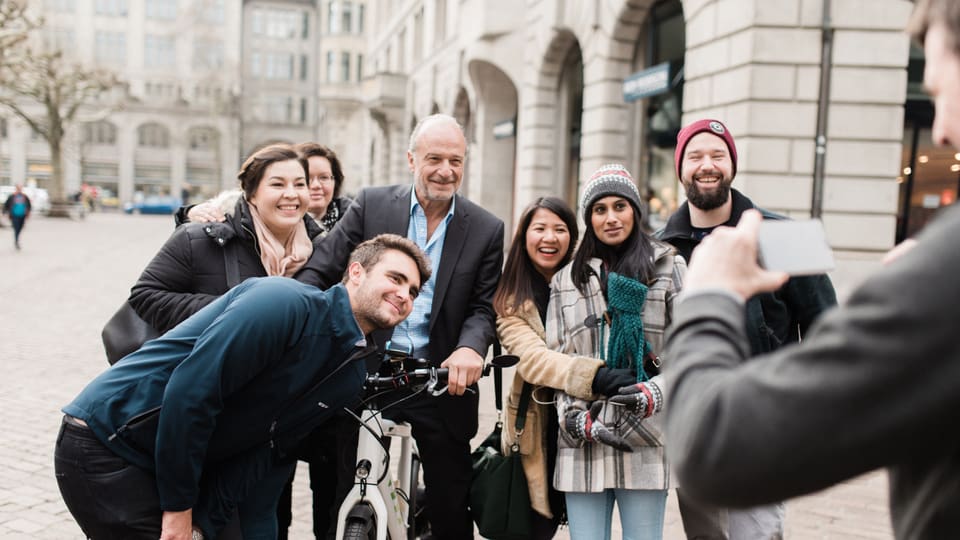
{"x":266,"y":232}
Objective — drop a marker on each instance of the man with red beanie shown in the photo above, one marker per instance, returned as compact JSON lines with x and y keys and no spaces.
{"x":706,"y":163}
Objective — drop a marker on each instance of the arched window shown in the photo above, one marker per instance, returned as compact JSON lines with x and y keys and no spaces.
{"x":153,"y":135}
{"x":101,"y":132}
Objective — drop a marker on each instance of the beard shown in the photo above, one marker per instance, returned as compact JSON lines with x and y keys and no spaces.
{"x":711,"y":199}
{"x":369,"y":309}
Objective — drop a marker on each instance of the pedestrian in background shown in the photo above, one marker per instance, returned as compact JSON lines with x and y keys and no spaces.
{"x":875,"y":383}
{"x":613,"y":302}
{"x":17,"y":206}
{"x":706,"y":164}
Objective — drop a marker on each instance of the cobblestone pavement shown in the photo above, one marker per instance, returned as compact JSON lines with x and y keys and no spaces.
{"x":55,"y":296}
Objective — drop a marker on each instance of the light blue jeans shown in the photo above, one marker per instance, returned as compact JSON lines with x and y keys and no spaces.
{"x":641,"y":513}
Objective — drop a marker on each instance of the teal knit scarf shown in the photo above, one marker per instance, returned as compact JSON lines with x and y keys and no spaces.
{"x":627,"y":345}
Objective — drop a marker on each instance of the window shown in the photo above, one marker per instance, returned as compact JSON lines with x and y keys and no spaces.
{"x":59,"y":39}
{"x":3,"y":128}
{"x":333,"y":17}
{"x":207,"y":54}
{"x":276,"y":109}
{"x":306,"y":26}
{"x":161,"y":9}
{"x":360,"y":19}
{"x":111,"y":48}
{"x":61,"y":6}
{"x":212,"y":12}
{"x":345,"y":67}
{"x":153,"y":135}
{"x":347,"y":16}
{"x":303,"y":67}
{"x":303,"y":110}
{"x":277,"y":23}
{"x":418,"y":37}
{"x":330,"y":66}
{"x":111,"y":8}
{"x":359,"y":67}
{"x":203,"y":138}
{"x":159,"y":51}
{"x":101,"y":132}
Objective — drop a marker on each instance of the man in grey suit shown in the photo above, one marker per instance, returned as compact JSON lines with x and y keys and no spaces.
{"x":875,"y":383}
{"x":452,"y":324}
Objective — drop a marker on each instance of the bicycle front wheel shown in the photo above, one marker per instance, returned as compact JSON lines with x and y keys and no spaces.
{"x":360,"y":529}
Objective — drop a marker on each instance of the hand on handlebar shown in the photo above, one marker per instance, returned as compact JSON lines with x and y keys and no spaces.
{"x":465,"y":367}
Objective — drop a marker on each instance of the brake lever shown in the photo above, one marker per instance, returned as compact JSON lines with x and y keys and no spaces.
{"x":434,"y":391}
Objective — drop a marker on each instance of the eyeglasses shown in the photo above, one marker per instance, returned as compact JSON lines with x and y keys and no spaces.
{"x":323,"y":179}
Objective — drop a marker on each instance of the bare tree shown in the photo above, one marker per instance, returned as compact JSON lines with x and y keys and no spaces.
{"x":48,"y":90}
{"x":15,"y":27}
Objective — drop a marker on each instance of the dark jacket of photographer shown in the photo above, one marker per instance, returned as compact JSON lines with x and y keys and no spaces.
{"x":773,"y":319}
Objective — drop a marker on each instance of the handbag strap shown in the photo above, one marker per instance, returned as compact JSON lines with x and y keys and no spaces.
{"x":497,"y":381}
{"x":231,"y":265}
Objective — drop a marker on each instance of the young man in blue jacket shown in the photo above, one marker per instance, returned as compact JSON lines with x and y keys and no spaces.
{"x":171,"y":440}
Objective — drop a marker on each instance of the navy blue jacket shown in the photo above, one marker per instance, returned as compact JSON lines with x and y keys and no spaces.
{"x":229,"y":390}
{"x":773,"y":319}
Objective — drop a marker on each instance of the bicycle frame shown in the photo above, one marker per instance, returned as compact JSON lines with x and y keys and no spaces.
{"x":388,"y":498}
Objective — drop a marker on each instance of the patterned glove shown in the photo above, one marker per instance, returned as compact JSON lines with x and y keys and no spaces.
{"x":586,"y":426}
{"x":642,"y":399}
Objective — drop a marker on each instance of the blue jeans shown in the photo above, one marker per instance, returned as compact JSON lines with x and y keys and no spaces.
{"x":641,"y":513}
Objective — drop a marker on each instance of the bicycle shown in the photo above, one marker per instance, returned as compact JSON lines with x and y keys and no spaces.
{"x":380,"y":506}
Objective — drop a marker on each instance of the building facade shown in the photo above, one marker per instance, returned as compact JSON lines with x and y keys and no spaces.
{"x":826,"y":107}
{"x":540,"y":87}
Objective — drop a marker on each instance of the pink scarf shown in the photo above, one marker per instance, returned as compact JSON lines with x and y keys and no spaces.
{"x":281,"y":256}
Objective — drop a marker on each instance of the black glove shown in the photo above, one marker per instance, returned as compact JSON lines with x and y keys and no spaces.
{"x":642,"y":399}
{"x":607,"y":381}
{"x":585,"y":425}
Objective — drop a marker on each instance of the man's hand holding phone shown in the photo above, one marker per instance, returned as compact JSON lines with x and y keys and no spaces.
{"x":727,"y":259}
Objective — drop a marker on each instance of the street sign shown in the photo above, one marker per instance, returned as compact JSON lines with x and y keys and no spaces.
{"x":648,"y":82}
{"x":505,"y":129}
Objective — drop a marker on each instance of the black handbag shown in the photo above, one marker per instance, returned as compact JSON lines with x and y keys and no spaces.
{"x":126,"y":331}
{"x":499,"y":494}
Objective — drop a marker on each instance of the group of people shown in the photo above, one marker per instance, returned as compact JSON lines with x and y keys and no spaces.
{"x":636,"y":366}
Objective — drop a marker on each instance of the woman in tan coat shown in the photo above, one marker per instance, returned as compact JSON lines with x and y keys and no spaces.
{"x":543,"y":243}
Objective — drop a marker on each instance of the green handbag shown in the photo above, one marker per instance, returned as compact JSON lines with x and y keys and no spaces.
{"x":499,"y":494}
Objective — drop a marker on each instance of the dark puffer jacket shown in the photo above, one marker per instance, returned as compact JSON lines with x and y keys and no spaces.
{"x":189,"y":272}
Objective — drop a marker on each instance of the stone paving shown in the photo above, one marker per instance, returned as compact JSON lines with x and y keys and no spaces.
{"x":55,"y":296}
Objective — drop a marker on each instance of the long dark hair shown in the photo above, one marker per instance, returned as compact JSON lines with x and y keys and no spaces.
{"x":516,"y":283}
{"x":633,"y":258}
{"x":309,"y":149}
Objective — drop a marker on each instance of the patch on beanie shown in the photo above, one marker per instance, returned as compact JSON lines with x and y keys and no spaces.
{"x":716,"y":127}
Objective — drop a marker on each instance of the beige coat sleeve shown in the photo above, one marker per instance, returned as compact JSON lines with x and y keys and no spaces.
{"x":522,"y":334}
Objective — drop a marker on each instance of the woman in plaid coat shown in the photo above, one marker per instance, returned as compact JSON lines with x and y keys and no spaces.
{"x":613,"y":302}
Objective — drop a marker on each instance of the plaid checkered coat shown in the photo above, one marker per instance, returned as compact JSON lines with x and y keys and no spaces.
{"x":591,"y":467}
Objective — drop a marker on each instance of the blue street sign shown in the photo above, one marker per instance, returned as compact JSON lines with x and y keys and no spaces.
{"x":648,"y":82}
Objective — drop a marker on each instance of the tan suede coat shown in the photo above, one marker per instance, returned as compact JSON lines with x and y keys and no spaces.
{"x":522,"y":334}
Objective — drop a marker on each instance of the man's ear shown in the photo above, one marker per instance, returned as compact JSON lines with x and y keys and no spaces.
{"x":357,"y":272}
{"x":410,"y":163}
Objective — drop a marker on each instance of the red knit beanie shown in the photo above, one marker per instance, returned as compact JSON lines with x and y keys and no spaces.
{"x":700,"y":126}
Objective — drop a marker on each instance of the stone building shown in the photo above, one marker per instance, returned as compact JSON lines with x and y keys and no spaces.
{"x":546,"y":89}
{"x":540,"y":87}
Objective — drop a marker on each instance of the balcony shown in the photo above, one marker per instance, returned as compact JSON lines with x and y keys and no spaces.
{"x":385,"y":91}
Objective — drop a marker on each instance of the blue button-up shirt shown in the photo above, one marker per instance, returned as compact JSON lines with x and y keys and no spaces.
{"x":415,"y":330}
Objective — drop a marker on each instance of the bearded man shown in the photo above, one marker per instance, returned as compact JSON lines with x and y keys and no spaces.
{"x":706,"y":163}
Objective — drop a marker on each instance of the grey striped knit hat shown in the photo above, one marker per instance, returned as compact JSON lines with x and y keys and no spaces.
{"x":610,"y":179}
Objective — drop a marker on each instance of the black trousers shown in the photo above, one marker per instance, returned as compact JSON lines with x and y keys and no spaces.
{"x":331,"y":451}
{"x":109,"y":497}
{"x":447,"y":468}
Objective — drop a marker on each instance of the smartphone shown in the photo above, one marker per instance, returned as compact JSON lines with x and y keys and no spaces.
{"x":797,"y":247}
